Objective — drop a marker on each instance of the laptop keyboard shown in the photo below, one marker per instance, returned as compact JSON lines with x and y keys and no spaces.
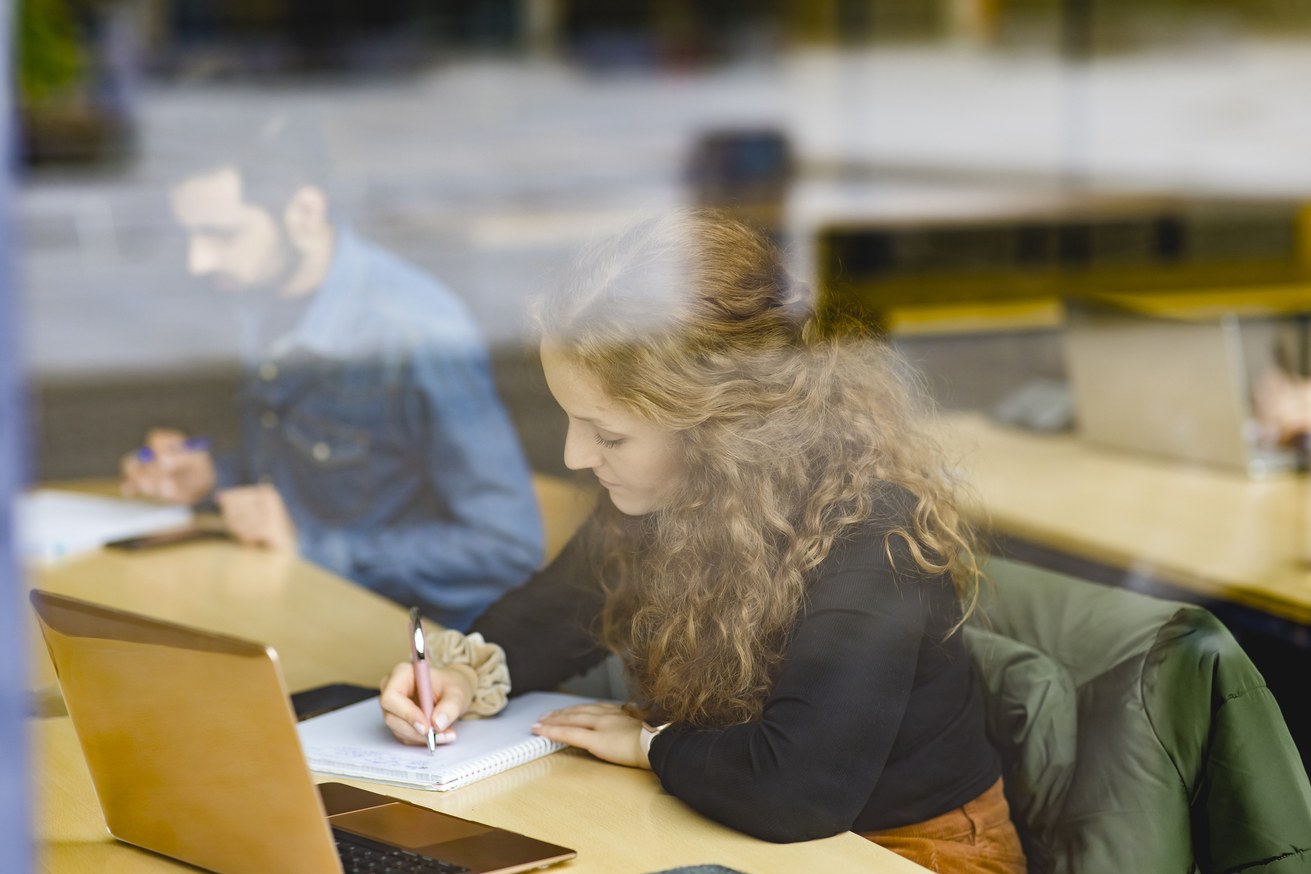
{"x":362,"y":856}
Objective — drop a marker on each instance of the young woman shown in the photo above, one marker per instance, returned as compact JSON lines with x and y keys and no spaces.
{"x":777,"y":559}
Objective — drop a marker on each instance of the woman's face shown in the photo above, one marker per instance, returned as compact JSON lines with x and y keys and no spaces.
{"x":635,"y":461}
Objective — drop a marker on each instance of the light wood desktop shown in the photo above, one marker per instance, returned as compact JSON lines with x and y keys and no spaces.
{"x":1212,"y":532}
{"x":326,"y":630}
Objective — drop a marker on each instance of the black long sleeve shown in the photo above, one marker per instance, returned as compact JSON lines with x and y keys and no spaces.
{"x":546,"y":625}
{"x":876,"y":719}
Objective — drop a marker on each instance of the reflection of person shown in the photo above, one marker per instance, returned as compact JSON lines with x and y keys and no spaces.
{"x":1283,"y":406}
{"x":373,"y":441}
{"x":780,"y":563}
{"x":1281,"y":399}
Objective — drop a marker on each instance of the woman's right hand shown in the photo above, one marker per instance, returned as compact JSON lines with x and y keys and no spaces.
{"x":451,"y":692}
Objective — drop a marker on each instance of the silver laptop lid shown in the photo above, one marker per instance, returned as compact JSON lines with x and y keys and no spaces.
{"x":1169,"y":387}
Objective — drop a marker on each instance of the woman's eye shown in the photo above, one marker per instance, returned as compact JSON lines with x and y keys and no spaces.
{"x":608,"y":444}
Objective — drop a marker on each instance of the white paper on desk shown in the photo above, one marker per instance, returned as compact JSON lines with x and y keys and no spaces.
{"x":54,"y":524}
{"x":354,"y":742}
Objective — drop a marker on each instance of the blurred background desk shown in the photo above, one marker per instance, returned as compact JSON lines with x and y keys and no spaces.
{"x":326,"y":629}
{"x":1216,"y":534}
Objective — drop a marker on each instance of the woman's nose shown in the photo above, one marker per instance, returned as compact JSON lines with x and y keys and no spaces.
{"x":579,"y":452}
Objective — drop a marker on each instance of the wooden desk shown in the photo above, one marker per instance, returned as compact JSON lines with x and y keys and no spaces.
{"x":325,"y":629}
{"x":1217,"y":534}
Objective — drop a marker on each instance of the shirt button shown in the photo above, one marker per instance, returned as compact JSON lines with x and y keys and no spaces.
{"x":321,"y":451}
{"x":269,"y":419}
{"x":268,"y":371}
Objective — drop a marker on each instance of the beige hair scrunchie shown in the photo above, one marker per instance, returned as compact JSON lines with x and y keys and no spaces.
{"x":482,"y":662}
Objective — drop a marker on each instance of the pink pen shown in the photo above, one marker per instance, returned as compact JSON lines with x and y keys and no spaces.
{"x":419,"y":658}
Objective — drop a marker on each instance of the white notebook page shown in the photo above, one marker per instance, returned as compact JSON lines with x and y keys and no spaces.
{"x":54,"y":524}
{"x":354,"y":742}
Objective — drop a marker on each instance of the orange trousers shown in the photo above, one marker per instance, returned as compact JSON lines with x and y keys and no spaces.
{"x":975,"y":838}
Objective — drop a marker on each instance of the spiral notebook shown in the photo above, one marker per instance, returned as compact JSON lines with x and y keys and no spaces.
{"x":354,"y":742}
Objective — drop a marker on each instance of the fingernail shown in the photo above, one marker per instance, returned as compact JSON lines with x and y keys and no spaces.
{"x":445,"y":737}
{"x":535,"y":726}
{"x":441,"y":722}
{"x":420,"y":728}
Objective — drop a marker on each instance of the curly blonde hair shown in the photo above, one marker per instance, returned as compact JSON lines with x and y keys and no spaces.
{"x":790,"y":432}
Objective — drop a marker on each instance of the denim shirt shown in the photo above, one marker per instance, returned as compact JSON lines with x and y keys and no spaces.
{"x":376,"y":419}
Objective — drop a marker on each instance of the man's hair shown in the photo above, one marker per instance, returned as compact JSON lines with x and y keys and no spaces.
{"x":790,"y":433}
{"x":276,"y":159}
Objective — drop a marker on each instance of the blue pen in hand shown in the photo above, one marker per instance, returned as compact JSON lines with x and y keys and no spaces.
{"x":191,"y":444}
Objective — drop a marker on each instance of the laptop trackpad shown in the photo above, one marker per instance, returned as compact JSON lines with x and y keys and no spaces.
{"x":407,"y":825}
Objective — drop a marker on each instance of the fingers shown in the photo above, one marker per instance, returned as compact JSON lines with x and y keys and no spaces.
{"x":604,"y":730}
{"x":407,"y":720}
{"x":257,"y":516}
{"x":241,"y":515}
{"x":134,"y":476}
{"x":165,"y":456}
{"x":399,"y":710}
{"x":166,"y":468}
{"x":410,"y":734}
{"x":574,"y":736}
{"x":583,"y":715}
{"x":451,"y":698}
{"x":165,"y":445}
{"x":144,"y":475}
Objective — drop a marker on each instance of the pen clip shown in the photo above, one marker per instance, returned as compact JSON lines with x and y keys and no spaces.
{"x":417,"y":642}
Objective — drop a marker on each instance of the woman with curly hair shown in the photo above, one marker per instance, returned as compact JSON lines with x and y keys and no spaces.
{"x":778,"y":559}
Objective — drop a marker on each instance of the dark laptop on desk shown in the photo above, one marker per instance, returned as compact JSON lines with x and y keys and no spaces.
{"x":192,"y":746}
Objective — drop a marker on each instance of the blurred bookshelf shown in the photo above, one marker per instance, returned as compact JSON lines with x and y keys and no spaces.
{"x":1012,"y":269}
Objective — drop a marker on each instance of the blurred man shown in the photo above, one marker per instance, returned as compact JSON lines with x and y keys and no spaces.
{"x":373,"y":442}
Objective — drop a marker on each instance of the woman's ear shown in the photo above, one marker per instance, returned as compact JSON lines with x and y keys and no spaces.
{"x":306,"y":216}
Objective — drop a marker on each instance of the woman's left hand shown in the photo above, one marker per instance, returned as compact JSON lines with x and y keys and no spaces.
{"x":604,"y":730}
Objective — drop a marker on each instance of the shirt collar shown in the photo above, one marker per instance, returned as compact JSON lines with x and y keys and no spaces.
{"x":329,"y":316}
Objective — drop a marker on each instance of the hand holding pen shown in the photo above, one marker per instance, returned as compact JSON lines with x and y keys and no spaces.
{"x":169,"y":466}
{"x":422,"y":679}
{"x":421,"y":704}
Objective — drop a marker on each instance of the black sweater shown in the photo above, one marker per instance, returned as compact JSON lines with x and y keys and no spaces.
{"x":876,"y":719}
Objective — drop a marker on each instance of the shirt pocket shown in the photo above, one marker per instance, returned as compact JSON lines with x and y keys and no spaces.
{"x":333,"y":473}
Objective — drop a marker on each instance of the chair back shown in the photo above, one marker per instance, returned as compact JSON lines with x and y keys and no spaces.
{"x":1136,"y":734}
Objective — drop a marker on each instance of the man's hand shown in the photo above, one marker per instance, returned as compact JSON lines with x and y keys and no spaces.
{"x":168,"y":468}
{"x":604,"y":730}
{"x":1283,"y":405}
{"x":257,"y":516}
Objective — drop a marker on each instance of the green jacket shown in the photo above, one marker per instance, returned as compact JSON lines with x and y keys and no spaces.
{"x":1137,"y":736}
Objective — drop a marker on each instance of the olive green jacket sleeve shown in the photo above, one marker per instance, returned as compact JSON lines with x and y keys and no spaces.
{"x":1136,"y":734}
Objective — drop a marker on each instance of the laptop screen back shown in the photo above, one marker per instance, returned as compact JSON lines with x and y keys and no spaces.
{"x":189,"y":738}
{"x":1172,"y":388}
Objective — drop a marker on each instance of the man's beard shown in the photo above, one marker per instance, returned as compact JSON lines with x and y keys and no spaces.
{"x":271,"y":286}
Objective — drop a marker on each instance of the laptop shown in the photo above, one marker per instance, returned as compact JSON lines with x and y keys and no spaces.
{"x":1174,"y":388}
{"x":192,"y":746}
